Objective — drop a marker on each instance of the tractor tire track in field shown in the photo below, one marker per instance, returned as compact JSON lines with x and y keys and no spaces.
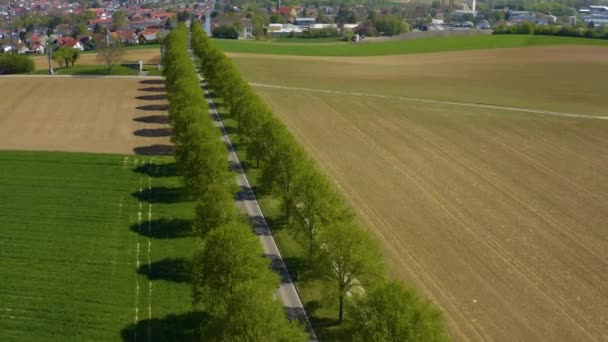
{"x":149,"y":249}
{"x":432,"y":101}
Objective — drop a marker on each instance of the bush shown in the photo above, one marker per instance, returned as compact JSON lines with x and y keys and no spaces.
{"x":226,"y":32}
{"x":15,"y":64}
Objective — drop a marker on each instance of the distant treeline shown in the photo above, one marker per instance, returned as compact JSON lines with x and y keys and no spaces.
{"x":345,"y":255}
{"x":600,"y":32}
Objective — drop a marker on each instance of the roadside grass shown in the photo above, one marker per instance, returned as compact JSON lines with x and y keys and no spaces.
{"x":69,"y":237}
{"x":97,"y":70}
{"x":322,"y":312}
{"x":400,"y":47}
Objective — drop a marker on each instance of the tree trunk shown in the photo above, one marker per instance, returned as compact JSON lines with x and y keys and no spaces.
{"x":257,"y":162}
{"x":341,"y":306}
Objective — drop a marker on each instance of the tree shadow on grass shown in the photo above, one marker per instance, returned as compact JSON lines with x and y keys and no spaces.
{"x":153,"y":89}
{"x":152,"y":97}
{"x":154,"y":107}
{"x":153,"y":132}
{"x":183,"y":327}
{"x":164,"y":228}
{"x":158,"y":81}
{"x":158,"y":170}
{"x":163,"y":194}
{"x":155,"y":119}
{"x":171,"y":269}
{"x":155,"y":150}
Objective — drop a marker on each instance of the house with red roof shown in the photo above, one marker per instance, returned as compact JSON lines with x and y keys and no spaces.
{"x":69,"y":42}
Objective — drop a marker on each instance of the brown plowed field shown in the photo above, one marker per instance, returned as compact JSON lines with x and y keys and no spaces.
{"x":109,"y":115}
{"x":500,"y":217}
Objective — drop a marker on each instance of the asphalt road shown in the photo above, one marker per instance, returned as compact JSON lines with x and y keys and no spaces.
{"x":248,"y":203}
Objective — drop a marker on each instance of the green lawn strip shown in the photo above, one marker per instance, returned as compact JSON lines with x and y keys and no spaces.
{"x":68,"y":236}
{"x":399,"y":47}
{"x":95,"y":70}
{"x":322,"y":313}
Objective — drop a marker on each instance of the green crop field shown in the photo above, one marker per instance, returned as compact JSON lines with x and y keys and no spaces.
{"x":399,"y":47}
{"x":93,"y":247}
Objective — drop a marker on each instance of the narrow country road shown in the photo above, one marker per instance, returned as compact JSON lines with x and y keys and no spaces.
{"x":248,"y":203}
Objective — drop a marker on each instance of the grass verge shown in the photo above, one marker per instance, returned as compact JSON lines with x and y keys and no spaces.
{"x":401,"y":47}
{"x":95,"y":70}
{"x":94,"y":247}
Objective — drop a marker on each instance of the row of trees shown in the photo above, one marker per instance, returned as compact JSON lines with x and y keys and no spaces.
{"x":600,"y":32}
{"x":231,"y":281}
{"x":344,"y":254}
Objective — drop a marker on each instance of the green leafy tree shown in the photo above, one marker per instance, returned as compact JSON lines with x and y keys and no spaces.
{"x":285,"y":164}
{"x":99,"y":29}
{"x":348,"y":258}
{"x":254,"y":314}
{"x":316,"y":206}
{"x":214,"y":209}
{"x":231,"y":256}
{"x":119,"y":20}
{"x":391,"y":312}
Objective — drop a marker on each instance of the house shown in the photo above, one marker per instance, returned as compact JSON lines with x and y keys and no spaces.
{"x":126,"y":36}
{"x":286,"y":12}
{"x":305,"y":22}
{"x":38,"y":48}
{"x":6,"y":48}
{"x":283,"y":29}
{"x":521,"y":16}
{"x":148,"y":36}
{"x":69,"y":42}
{"x":247,"y":29}
{"x":23,"y":49}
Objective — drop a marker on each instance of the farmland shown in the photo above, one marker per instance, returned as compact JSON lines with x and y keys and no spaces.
{"x":498,"y":215}
{"x":103,"y":115}
{"x":92,"y":246}
{"x":398,"y":47}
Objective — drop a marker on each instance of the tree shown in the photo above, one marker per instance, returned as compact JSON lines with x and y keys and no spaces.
{"x":391,"y":312}
{"x":81,"y":29}
{"x":214,"y":209}
{"x":66,"y":55}
{"x":316,"y":206}
{"x":231,"y":256}
{"x":99,"y":29}
{"x":119,"y":20}
{"x":110,"y":51}
{"x":347,"y":258}
{"x":282,"y":168}
{"x":254,"y":314}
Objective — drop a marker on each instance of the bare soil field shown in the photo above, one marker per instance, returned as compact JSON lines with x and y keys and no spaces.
{"x":500,"y":217}
{"x":148,"y":56}
{"x":107,"y":115}
{"x":566,"y":79}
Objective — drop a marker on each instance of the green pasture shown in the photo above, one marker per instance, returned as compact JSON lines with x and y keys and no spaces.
{"x":76,"y":261}
{"x":399,"y":47}
{"x":95,"y":70}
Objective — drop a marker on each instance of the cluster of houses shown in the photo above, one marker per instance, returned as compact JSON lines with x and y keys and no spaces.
{"x":595,"y":15}
{"x":141,"y":26}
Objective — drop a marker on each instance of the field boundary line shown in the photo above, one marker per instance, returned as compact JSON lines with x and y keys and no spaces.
{"x":443,"y":102}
